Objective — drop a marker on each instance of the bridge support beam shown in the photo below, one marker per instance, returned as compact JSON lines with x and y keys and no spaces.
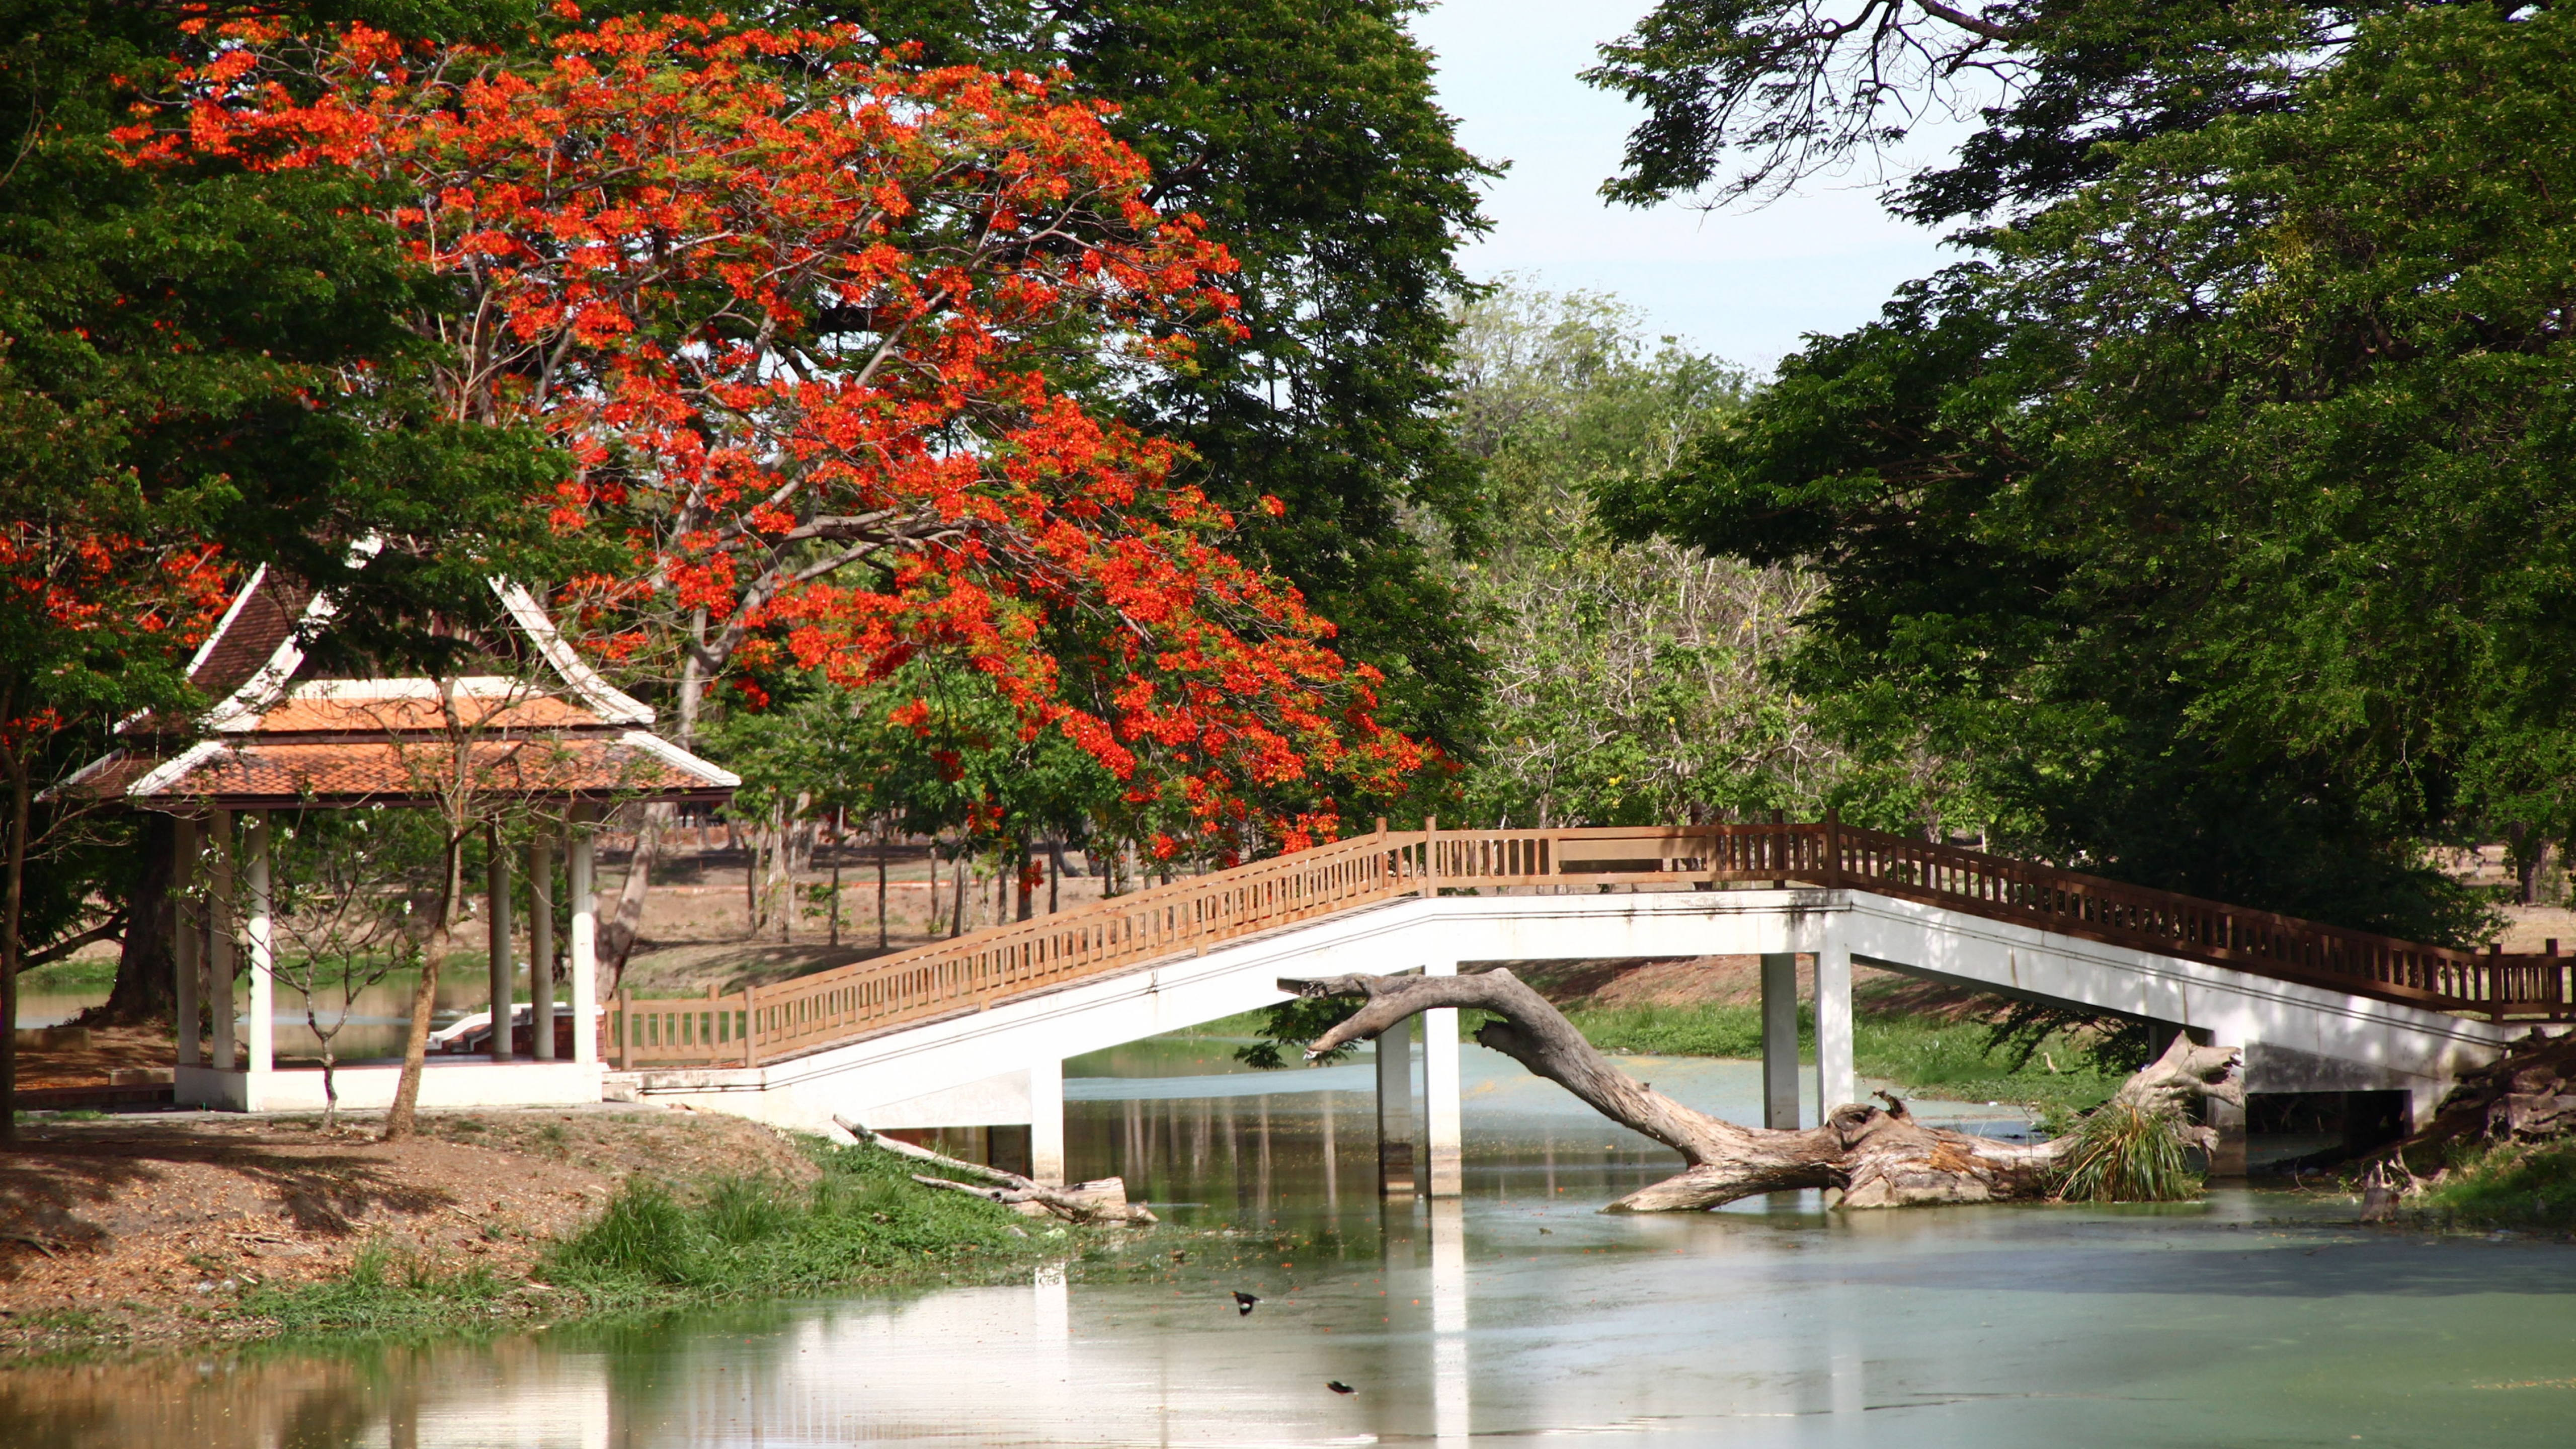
{"x":1440,"y":1093}
{"x":1836,"y":1081}
{"x":1046,"y":1121}
{"x":1780,"y":1041}
{"x":1395,"y":1110}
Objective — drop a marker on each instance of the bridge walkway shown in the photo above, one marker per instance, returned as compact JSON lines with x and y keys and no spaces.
{"x":974,"y":1029}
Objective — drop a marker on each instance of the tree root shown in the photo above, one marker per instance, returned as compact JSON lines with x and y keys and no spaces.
{"x":1875,"y":1157}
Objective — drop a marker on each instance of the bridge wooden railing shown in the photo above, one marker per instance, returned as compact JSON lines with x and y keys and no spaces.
{"x":767,"y":1023}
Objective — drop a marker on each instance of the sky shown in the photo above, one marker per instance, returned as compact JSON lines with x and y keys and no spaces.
{"x":1742,"y":285}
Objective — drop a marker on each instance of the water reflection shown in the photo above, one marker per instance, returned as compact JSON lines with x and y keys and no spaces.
{"x":377,"y":1015}
{"x":1518,"y":1313}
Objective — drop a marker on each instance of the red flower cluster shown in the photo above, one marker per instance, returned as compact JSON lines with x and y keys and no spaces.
{"x":799,"y":317}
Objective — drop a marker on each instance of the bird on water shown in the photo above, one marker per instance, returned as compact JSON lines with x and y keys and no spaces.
{"x":1337,"y":1386}
{"x":1243,"y":1303}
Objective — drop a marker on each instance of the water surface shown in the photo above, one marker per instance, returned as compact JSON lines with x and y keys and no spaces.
{"x":1518,"y":1314}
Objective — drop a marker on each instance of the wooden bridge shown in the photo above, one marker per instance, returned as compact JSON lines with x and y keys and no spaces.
{"x":972,"y":973}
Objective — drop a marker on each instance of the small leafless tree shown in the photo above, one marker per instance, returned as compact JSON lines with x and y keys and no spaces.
{"x":348,"y":890}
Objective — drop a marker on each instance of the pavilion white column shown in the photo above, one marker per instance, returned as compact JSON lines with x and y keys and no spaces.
{"x":496,"y":886}
{"x":259,"y":931}
{"x":219,"y":940}
{"x":1440,"y":1092}
{"x":1836,"y":1081}
{"x":584,"y":945}
{"x":541,"y":947}
{"x":185,"y":960}
{"x":1046,"y":1121}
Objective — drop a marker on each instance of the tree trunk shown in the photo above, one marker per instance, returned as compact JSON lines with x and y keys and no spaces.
{"x":147,"y":968}
{"x":401,"y":1118}
{"x":626,"y":923}
{"x":1875,"y":1157}
{"x":13,"y":901}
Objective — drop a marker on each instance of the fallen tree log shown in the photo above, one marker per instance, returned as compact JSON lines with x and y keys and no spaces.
{"x":1104,"y":1201}
{"x":1875,"y":1156}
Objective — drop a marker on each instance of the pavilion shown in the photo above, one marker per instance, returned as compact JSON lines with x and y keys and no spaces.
{"x":555,"y":740}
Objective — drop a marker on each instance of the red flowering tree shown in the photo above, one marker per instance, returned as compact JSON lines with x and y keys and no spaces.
{"x":801,"y":318}
{"x":97,"y":611}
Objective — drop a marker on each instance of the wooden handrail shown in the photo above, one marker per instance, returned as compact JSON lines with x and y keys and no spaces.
{"x":972,"y":972}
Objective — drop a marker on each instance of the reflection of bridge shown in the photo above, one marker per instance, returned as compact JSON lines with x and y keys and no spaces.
{"x":974,"y":1031}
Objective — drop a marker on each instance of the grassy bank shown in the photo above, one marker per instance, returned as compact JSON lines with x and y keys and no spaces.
{"x":1946,"y":1059}
{"x":861,"y":1223}
{"x":2521,"y":1187}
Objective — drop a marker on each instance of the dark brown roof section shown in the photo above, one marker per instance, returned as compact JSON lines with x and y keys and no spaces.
{"x":245,"y":640}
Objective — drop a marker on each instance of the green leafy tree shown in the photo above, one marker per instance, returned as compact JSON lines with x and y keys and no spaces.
{"x":200,"y":370}
{"x":2221,"y":513}
{"x":1634,"y":680}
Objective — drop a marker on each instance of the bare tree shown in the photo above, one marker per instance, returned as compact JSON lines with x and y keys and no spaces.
{"x":1877,"y":1157}
{"x":348,"y":885}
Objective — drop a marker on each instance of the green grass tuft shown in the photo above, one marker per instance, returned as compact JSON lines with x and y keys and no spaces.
{"x":382,"y":1292}
{"x":2127,"y":1153}
{"x":863,"y":1218}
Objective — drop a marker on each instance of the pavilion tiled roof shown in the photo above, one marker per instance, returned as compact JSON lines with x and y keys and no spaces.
{"x":278,"y":741}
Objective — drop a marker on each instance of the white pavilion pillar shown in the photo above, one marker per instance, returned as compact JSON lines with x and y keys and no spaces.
{"x":219,"y":940}
{"x":541,"y":946}
{"x":584,"y":945}
{"x":1440,"y":1120}
{"x":185,"y":961}
{"x":259,"y":931}
{"x":496,"y":885}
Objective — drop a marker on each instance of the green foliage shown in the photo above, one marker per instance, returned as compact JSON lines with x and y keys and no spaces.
{"x":1285,"y":1029}
{"x":1632,"y":681}
{"x":2124,"y":1152}
{"x":2215,"y":523}
{"x":2528,"y":1186}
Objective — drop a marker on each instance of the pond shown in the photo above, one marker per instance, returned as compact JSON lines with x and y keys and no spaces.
{"x":1519,"y":1313}
{"x":376,"y":1016}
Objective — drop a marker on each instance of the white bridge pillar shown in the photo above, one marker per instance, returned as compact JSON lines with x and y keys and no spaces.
{"x":1440,"y":1061}
{"x":1836,"y":1081}
{"x":1780,"y":1040}
{"x":1046,"y":1121}
{"x":1395,"y":1109}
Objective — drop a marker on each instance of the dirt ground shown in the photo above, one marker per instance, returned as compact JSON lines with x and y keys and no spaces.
{"x":148,"y":1228}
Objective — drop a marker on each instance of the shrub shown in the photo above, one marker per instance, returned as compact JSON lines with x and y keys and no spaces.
{"x":2125,"y":1152}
